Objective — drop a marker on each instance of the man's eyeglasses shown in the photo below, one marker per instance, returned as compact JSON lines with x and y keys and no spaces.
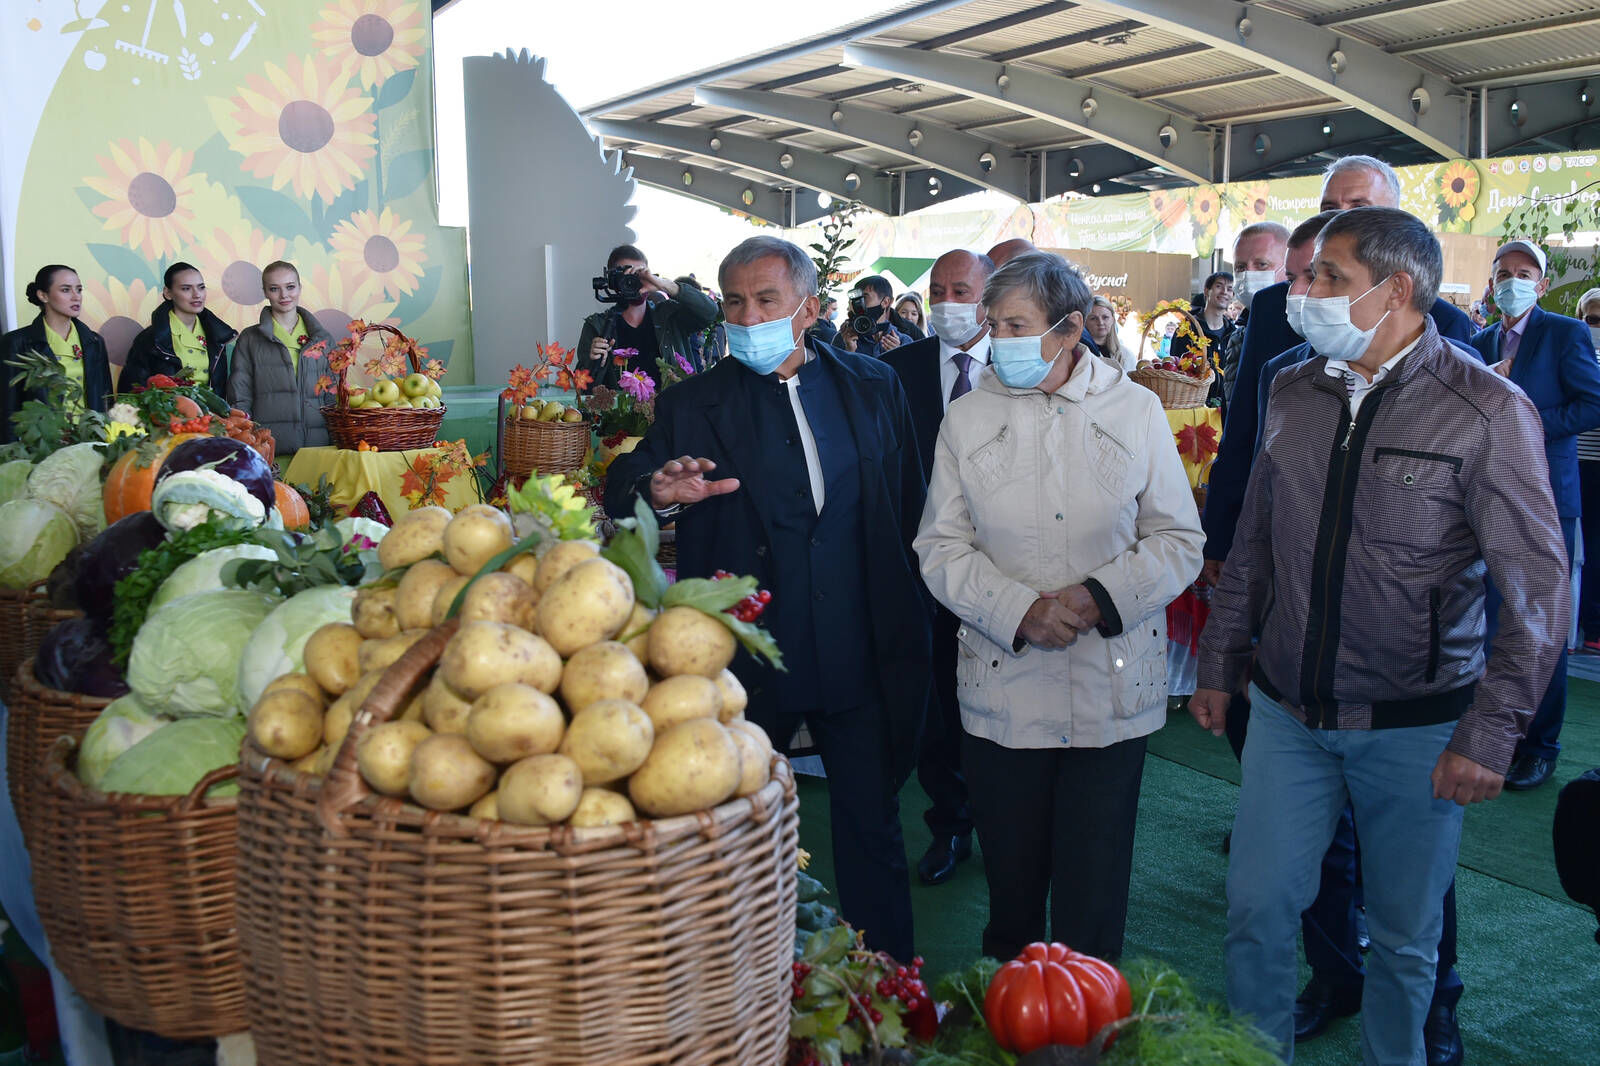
{"x":1592,"y":319}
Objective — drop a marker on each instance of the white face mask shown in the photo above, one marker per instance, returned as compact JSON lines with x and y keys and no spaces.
{"x":1594,"y":335}
{"x":1294,"y":304}
{"x":1325,"y":322}
{"x":957,"y":323}
{"x":1247,"y":283}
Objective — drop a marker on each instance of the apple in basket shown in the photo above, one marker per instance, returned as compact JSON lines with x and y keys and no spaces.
{"x":572,"y":415}
{"x":358,"y":397}
{"x":529,"y":412}
{"x":385,"y":391}
{"x":415,"y":385}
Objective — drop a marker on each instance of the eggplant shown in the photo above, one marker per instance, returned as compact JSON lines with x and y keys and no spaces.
{"x":228,"y":457}
{"x":61,"y":587}
{"x":75,"y":656}
{"x":110,"y":557}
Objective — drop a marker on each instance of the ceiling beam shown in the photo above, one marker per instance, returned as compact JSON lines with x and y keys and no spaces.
{"x":1357,"y":74}
{"x":1134,"y":62}
{"x":1129,"y":124}
{"x":1079,"y":168}
{"x":807,"y":167}
{"x":1546,"y":109}
{"x":932,"y":144}
{"x":1495,"y":33}
{"x":708,"y":185}
{"x":1390,"y":7}
{"x":1178,"y":88}
{"x":1543,"y":72}
{"x":1262,"y":147}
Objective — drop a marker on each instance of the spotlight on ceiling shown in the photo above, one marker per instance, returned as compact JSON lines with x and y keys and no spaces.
{"x":824,"y":201}
{"x":1327,"y":128}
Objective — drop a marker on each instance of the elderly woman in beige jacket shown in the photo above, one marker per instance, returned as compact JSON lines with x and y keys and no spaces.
{"x":1059,"y":525}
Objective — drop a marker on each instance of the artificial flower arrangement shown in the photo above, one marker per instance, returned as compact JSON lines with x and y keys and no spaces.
{"x":1199,"y":361}
{"x":626,"y":411}
{"x":423,"y":482}
{"x":522,"y":389}
{"x":401,"y":358}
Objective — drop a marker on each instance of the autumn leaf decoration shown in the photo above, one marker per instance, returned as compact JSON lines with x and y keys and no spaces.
{"x":425,"y":477}
{"x":1197,"y":444}
{"x":393,"y":361}
{"x":553,"y":361}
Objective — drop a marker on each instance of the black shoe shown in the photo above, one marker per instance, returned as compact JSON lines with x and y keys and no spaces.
{"x":1529,"y":772}
{"x":938,"y":863}
{"x":1441,"y":1036}
{"x":1363,"y":936}
{"x":1320,"y":1003}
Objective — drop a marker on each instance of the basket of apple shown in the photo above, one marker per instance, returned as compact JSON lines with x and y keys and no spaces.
{"x":1181,"y":381}
{"x":547,"y":437}
{"x":390,"y":415}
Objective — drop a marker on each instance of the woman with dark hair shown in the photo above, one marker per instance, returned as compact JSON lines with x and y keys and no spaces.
{"x":182,"y":335}
{"x":269,"y":378}
{"x":56,"y":331}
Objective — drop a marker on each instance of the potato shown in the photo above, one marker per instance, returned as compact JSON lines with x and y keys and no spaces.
{"x":513,"y":721}
{"x":588,"y":604}
{"x":692,"y":767}
{"x":308,"y":763}
{"x":755,"y":756}
{"x":343,"y":711}
{"x":635,"y":632}
{"x":474,"y":536}
{"x":373,"y":613}
{"x":563,"y":556}
{"x":379,"y":655}
{"x":413,"y":599}
{"x":599,"y":807}
{"x":413,"y":711}
{"x":286,"y":724}
{"x":415,"y":535}
{"x":443,"y":709}
{"x":488,"y":808}
{"x":384,"y":756}
{"x":446,"y":774}
{"x":678,"y":699}
{"x":499,"y":598}
{"x":540,"y":790}
{"x":686,"y":641}
{"x":734,"y":699}
{"x":603,"y":671}
{"x":332,"y":657}
{"x":608,"y":740}
{"x":297,"y":683}
{"x":525,"y":566}
{"x":445,"y":597}
{"x":484,"y":654}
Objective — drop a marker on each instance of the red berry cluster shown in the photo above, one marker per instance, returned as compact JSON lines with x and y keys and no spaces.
{"x":797,"y":984}
{"x":906,"y":985}
{"x":748,"y":609}
{"x":201,"y":424}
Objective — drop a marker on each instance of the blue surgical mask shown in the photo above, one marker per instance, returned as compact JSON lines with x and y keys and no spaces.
{"x":1019,"y":362}
{"x":1514,"y":296}
{"x":764,"y":346}
{"x":1293,"y":305}
{"x":1325,"y":322}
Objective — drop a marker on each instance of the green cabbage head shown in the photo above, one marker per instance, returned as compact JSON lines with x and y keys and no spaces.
{"x":70,"y":479}
{"x":173,"y":759}
{"x":204,"y":572}
{"x":14,"y":479}
{"x":34,"y":537}
{"x":185,"y":658}
{"x":278,"y":645}
{"x":120,"y":726}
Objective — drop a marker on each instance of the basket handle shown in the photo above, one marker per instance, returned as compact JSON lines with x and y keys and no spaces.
{"x":376,"y":327}
{"x":197,"y":794}
{"x":344,"y":786}
{"x":1199,"y":328}
{"x":58,"y":773}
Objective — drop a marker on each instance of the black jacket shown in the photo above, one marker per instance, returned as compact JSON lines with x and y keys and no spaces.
{"x":705,"y":417}
{"x":96,"y":369}
{"x":151,"y":352}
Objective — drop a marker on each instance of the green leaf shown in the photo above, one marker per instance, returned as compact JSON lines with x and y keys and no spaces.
{"x":405,"y":172}
{"x":396,"y":88}
{"x":526,"y":544}
{"x":710,"y":596}
{"x":121,"y":263}
{"x":827,"y":946}
{"x":756,"y":640}
{"x":277,"y":213}
{"x":634,"y":549}
{"x":851,"y":1040}
{"x":90,"y":198}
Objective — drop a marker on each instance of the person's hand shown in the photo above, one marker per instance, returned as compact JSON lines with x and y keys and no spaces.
{"x":1049,"y":623}
{"x":1458,"y":778}
{"x":1211,"y":573}
{"x":682,"y":481}
{"x":599,"y":348}
{"x":1077,"y":599}
{"x":654,"y":283}
{"x":1210,"y":709}
{"x":889,"y":340}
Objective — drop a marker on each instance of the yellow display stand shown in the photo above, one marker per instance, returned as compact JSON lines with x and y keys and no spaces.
{"x":353,"y":474}
{"x":1196,"y":431}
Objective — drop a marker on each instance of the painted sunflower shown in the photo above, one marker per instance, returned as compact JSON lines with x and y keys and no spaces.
{"x":232,"y":259}
{"x":1254,"y":202}
{"x":336,"y":294}
{"x":147,"y":189}
{"x":304,"y":125}
{"x":373,"y":38}
{"x":1169,"y":206}
{"x":1205,"y":204}
{"x":117,"y":311}
{"x":1458,"y":183}
{"x":382,"y":246}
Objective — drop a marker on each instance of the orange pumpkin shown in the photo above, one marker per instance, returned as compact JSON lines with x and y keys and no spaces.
{"x":128,"y":484}
{"x":291,"y":506}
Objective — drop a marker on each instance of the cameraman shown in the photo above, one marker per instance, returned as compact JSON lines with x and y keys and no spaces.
{"x":654,"y":328}
{"x":868,"y":328}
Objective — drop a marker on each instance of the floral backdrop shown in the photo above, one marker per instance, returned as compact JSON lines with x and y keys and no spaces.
{"x":229,"y":133}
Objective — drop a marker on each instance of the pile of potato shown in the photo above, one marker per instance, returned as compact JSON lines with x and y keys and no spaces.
{"x":535,"y":714}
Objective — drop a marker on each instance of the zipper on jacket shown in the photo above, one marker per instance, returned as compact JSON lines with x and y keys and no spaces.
{"x":1433,"y":635}
{"x":1347,"y":435}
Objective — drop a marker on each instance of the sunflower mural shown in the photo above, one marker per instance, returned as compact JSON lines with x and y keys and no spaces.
{"x":234,"y":132}
{"x":1170,"y":206}
{"x":1249,"y":201}
{"x":1456,"y":185}
{"x":1205,"y":209}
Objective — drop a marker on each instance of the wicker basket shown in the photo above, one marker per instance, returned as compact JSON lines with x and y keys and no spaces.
{"x":136,"y":896}
{"x":38,"y":717}
{"x":390,"y":429}
{"x":39,"y":617}
{"x":13,"y":635}
{"x":533,"y":447}
{"x":378,"y":933}
{"x":1177,"y":391}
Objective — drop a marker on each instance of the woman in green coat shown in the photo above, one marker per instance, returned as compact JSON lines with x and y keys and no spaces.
{"x":270,"y":378}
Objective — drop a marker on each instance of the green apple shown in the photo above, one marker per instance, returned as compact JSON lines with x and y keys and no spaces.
{"x":551,"y":411}
{"x":572,"y":415}
{"x":370,"y":404}
{"x":358,"y":397}
{"x":431,"y":402}
{"x":415,"y":385}
{"x":401,"y":402}
{"x":434,"y":390}
{"x":385,"y":391}
{"x":528,"y":412}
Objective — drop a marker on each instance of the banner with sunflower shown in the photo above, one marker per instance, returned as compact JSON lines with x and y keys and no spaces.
{"x":228,"y":134}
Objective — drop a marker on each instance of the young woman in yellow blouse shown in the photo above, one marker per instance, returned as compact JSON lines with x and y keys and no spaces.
{"x":182,"y":334}
{"x":58,"y":294}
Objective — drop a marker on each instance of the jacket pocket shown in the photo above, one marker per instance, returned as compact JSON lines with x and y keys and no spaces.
{"x":1413,"y":496}
{"x":1433,"y":635}
{"x":991,"y":462}
{"x":977,"y":661}
{"x":1136,"y":663}
{"x":1110,"y":458}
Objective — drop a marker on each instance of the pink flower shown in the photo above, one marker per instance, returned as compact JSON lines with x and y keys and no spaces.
{"x":683,"y":364}
{"x":638,"y":384}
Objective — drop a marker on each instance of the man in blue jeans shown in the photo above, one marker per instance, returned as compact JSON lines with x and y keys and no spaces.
{"x":1394,"y":477}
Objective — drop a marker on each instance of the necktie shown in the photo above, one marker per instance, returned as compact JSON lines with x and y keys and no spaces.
{"x":963,"y":383}
{"x":1508,"y":346}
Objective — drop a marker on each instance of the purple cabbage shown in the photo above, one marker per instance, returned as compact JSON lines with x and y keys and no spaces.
{"x":75,"y":656}
{"x":110,"y":557}
{"x":228,"y":457}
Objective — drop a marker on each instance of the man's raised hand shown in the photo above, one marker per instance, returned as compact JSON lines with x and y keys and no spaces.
{"x":682,"y":481}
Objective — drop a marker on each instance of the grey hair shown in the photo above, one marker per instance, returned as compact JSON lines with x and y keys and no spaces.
{"x":1389,"y":241}
{"x":1365,"y":162}
{"x":1048,"y":280}
{"x":1592,"y":296}
{"x":1276,"y":230}
{"x":802,"y":271}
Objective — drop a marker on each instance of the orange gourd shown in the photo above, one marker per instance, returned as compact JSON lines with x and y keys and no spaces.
{"x":291,"y":506}
{"x":128,"y":485}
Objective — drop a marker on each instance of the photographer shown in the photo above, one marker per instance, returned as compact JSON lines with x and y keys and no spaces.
{"x":653,"y":327}
{"x":869,"y":328}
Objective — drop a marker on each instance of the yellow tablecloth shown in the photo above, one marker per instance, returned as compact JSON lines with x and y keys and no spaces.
{"x":1196,"y":431}
{"x":353,"y":474}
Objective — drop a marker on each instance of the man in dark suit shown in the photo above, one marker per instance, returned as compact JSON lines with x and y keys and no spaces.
{"x":935,"y":372}
{"x":1551,"y":358}
{"x":796,"y":463}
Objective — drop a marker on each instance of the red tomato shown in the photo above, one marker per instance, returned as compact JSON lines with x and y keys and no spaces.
{"x":1051,"y":994}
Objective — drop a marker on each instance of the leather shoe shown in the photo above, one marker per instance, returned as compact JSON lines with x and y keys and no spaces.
{"x":1441,"y":1036}
{"x":1320,"y":1003}
{"x":1529,"y":772}
{"x":938,"y":863}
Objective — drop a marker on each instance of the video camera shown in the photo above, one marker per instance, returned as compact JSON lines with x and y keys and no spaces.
{"x":618,"y":286}
{"x":863,"y":319}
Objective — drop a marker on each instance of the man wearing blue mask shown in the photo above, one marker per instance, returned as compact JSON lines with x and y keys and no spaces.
{"x":797,"y":463}
{"x":1551,"y":358}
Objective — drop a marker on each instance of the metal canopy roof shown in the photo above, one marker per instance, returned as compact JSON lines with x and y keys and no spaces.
{"x":938,"y":98}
